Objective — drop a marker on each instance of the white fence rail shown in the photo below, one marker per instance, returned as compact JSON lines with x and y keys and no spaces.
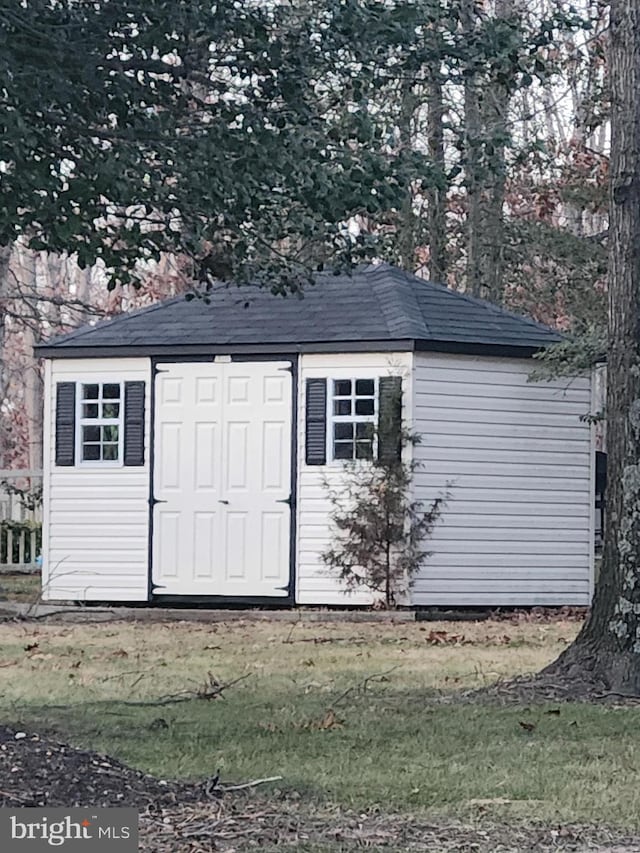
{"x":20,"y":520}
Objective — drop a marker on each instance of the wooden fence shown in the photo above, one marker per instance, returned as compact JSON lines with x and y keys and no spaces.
{"x":20,"y":520}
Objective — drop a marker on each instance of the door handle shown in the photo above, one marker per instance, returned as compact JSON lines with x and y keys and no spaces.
{"x":222,"y":501}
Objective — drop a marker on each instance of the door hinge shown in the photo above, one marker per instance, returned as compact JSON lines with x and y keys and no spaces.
{"x":284,"y":588}
{"x":153,"y":501}
{"x":289,"y":368}
{"x":288,"y":501}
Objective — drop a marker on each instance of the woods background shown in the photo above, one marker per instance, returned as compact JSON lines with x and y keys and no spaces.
{"x":505,"y":104}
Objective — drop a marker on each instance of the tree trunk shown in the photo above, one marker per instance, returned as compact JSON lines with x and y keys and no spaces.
{"x":437,"y":193}
{"x":473,"y":158}
{"x":607,"y":651}
{"x":407,"y":231}
{"x":495,"y":106}
{"x":5,"y":255}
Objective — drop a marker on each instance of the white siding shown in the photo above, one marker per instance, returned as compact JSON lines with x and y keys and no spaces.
{"x":314,"y":583}
{"x":518,"y":528}
{"x":96,"y":520}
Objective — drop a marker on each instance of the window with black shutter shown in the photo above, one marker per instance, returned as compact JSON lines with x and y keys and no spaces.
{"x":100,"y":423}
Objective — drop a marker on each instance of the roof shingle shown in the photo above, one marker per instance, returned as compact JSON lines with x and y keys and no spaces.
{"x":378,"y":304}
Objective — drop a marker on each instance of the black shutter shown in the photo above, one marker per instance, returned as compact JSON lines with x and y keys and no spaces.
{"x":390,"y":419}
{"x":316,"y":422}
{"x":65,"y":423}
{"x":134,"y":423}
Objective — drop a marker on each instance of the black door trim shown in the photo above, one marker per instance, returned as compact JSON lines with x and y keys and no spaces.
{"x":289,"y":598}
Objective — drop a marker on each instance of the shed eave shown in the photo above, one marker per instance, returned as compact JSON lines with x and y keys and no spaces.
{"x":176,"y":350}
{"x":395,"y":345}
{"x":480,"y":348}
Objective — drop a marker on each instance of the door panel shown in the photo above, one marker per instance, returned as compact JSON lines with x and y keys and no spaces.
{"x":222,"y":479}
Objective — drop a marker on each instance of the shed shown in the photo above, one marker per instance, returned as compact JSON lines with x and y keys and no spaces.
{"x":186,"y":445}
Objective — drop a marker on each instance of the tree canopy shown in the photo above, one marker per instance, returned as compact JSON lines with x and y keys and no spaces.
{"x":243,"y":135}
{"x":246,"y":136}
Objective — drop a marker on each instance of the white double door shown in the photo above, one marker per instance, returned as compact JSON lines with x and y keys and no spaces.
{"x":222,"y":478}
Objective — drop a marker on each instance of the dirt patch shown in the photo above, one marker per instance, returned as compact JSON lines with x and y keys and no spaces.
{"x":39,"y":772}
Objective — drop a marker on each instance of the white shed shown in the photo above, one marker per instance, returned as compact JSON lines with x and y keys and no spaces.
{"x":186,"y":443}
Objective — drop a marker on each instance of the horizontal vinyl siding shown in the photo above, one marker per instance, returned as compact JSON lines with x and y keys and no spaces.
{"x":314,"y":583}
{"x":97,"y":519}
{"x":517,"y":529}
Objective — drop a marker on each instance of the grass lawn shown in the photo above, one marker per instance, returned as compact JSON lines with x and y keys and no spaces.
{"x":345,"y":713}
{"x":21,"y":587}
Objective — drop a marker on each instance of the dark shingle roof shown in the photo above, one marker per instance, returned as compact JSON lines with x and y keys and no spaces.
{"x":378,"y":305}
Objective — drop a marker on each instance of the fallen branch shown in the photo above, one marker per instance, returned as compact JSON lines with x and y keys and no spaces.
{"x":15,"y":797}
{"x":253,"y":784}
{"x":362,"y":685}
{"x":212,"y":689}
{"x":317,"y":641}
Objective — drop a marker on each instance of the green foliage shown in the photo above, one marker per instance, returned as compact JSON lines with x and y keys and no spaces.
{"x":381,"y":530}
{"x":578,"y":354}
{"x":242,"y":135}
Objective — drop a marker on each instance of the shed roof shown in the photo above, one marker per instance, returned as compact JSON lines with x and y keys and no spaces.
{"x":375,"y":308}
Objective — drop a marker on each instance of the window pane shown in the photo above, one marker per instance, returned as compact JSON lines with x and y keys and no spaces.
{"x":90,"y":410}
{"x":90,"y":433}
{"x":110,"y":452}
{"x":343,"y":431}
{"x":342,"y":407}
{"x":343,"y":450}
{"x":364,"y":450}
{"x":90,"y":452}
{"x":364,"y":431}
{"x":364,"y":407}
{"x":110,"y":433}
{"x":365,"y":387}
{"x":90,"y":392}
{"x":342,"y":388}
{"x":111,"y":391}
{"x":110,"y":410}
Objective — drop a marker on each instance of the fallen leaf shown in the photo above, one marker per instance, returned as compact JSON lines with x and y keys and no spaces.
{"x":329,"y":721}
{"x":553,"y":711}
{"x":442,"y":638}
{"x":528,"y":727}
{"x":119,"y":653}
{"x":31,"y":646}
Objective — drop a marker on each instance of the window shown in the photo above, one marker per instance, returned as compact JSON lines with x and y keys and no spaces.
{"x":353,"y":415}
{"x":100,"y":421}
